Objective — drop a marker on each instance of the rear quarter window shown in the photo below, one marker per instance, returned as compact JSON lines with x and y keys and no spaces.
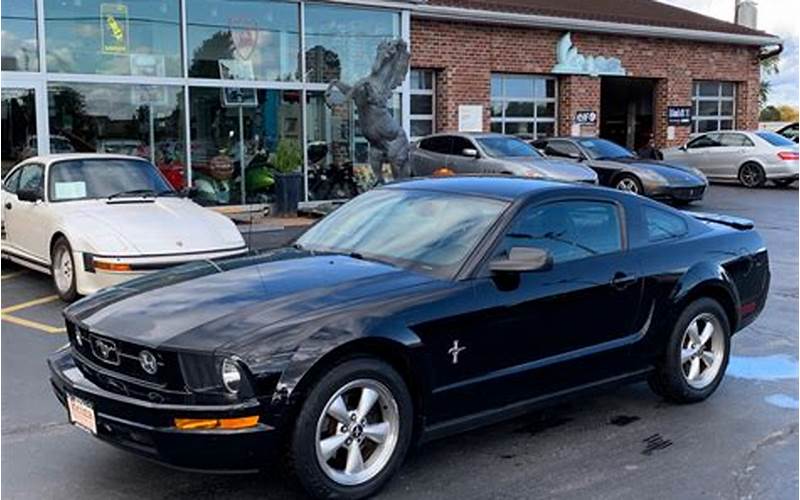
{"x":662,"y":225}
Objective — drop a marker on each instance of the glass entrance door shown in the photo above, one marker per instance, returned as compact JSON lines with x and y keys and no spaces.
{"x":19,"y":132}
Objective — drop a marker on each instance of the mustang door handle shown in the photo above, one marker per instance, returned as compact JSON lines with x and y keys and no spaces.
{"x":8,"y":205}
{"x":621,"y":281}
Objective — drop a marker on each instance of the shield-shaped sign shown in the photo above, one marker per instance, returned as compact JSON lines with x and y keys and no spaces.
{"x":244,"y":33}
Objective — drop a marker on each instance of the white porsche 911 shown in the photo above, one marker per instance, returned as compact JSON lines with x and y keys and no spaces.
{"x":96,"y":220}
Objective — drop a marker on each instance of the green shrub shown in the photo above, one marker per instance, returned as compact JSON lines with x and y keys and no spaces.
{"x":288,"y":156}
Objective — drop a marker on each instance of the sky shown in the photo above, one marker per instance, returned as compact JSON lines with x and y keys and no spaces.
{"x":778,"y":17}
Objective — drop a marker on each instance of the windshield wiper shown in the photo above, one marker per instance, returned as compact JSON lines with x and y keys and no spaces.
{"x":133,"y":192}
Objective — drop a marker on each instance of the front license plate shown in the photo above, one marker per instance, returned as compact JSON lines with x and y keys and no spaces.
{"x":81,"y":413}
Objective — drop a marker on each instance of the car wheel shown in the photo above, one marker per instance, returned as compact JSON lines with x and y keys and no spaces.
{"x":696,"y":356}
{"x":62,"y":268}
{"x":353,"y":430}
{"x":751,"y":175}
{"x":628,"y":183}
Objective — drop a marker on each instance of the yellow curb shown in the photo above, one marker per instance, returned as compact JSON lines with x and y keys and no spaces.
{"x":30,"y":303}
{"x":32,"y":324}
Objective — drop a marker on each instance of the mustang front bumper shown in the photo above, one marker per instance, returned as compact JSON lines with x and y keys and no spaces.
{"x":147,"y":428}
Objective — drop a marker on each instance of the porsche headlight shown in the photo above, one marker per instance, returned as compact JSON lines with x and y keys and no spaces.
{"x":231,"y":375}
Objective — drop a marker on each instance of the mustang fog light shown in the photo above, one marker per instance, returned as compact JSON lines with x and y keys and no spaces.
{"x":193,"y":424}
{"x":231,"y":375}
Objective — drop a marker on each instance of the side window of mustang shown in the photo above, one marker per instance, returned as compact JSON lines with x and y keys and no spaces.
{"x":569,"y":230}
{"x":12,"y":181}
{"x":662,"y":225}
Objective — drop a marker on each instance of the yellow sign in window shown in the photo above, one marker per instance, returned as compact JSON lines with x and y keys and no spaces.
{"x":114,"y":28}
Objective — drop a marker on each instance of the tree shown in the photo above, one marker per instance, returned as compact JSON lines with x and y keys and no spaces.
{"x":788,"y":113}
{"x":769,"y":66}
{"x":770,"y":114}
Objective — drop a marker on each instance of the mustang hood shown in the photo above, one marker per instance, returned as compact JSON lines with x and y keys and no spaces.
{"x":152,"y":226}
{"x":213,"y":304}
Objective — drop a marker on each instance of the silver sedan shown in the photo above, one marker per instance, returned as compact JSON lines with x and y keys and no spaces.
{"x":752,"y":158}
{"x":487,"y":153}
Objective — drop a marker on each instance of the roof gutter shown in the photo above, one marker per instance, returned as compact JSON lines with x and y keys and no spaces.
{"x":444,"y":13}
{"x":766,"y":54}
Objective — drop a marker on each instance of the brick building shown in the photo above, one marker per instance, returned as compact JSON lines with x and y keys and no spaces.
{"x":501,"y":54}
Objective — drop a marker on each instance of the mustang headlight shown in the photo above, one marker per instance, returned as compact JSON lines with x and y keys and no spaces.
{"x":231,"y":375}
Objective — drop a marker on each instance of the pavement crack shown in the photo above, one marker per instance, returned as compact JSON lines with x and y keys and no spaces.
{"x":744,"y":477}
{"x":22,"y":430}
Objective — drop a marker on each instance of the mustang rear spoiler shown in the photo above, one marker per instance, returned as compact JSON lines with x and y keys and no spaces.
{"x":728,"y":220}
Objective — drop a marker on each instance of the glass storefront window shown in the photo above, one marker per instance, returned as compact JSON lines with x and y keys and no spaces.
{"x":523,"y":105}
{"x":713,"y":106}
{"x":139,"y":38}
{"x":423,"y":103}
{"x":20,"y":50}
{"x":219,"y":129}
{"x":338,"y":154}
{"x":262,"y":36}
{"x":341,"y":41}
{"x":139,"y":120}
{"x":18,"y":126}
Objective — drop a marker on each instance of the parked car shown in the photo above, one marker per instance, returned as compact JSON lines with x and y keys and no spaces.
{"x":480,"y":153}
{"x":58,"y":145}
{"x":96,"y":220}
{"x":417,"y":310}
{"x":619,"y":168}
{"x":789,"y":131}
{"x":752,"y":158}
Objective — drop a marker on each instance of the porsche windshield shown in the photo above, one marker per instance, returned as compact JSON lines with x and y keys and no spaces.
{"x":601,"y":149}
{"x":105,"y":178}
{"x":427,"y":231}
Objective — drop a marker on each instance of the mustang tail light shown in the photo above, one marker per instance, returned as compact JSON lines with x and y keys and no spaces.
{"x":193,"y":424}
{"x":788,"y":155}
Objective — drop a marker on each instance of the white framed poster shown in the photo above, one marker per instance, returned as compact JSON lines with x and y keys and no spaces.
{"x":470,"y":118}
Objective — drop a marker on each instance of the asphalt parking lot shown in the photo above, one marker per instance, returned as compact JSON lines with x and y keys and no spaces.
{"x":741,"y":443}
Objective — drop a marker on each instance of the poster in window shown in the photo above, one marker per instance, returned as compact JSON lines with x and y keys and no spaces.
{"x":114,"y":28}
{"x":233,"y":69}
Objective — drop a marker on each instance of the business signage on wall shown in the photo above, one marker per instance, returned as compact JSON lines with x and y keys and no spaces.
{"x":571,"y":62}
{"x":470,"y":118}
{"x":114,"y":28}
{"x":679,"y":115}
{"x":586,"y":118}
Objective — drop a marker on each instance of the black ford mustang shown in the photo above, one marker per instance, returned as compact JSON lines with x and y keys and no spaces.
{"x":416,"y":310}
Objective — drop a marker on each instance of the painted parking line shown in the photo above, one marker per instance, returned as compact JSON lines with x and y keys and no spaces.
{"x":30,"y":303}
{"x":32,"y":324}
{"x":12,"y":274}
{"x":5,"y":314}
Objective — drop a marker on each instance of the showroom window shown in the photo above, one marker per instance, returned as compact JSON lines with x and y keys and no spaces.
{"x":141,"y":38}
{"x":240,"y":39}
{"x":713,"y":106}
{"x":20,"y":50}
{"x":139,"y":120}
{"x":524,"y":105}
{"x":423,"y":102}
{"x":234,"y":142}
{"x":341,"y":42}
{"x":338,"y":153}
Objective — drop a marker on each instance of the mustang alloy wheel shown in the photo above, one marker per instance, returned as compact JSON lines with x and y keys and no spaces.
{"x":353,"y":430}
{"x":62,"y":267}
{"x":696,"y":356}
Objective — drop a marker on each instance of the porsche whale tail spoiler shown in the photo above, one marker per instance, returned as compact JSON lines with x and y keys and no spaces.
{"x":735,"y":222}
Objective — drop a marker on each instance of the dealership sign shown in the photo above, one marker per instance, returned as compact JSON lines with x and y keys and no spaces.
{"x":569,"y":61}
{"x":586,"y":117}
{"x":679,"y":115}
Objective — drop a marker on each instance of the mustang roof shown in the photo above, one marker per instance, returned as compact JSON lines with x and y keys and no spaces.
{"x":487,"y":186}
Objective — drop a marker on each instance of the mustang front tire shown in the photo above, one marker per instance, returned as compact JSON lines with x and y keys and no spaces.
{"x":697,"y":354}
{"x":62,"y":268}
{"x":353,"y":430}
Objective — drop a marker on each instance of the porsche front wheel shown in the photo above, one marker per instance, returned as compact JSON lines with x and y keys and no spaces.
{"x":353,"y":430}
{"x":62,"y":268}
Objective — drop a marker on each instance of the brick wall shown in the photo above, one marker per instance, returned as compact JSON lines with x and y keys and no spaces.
{"x":465,"y":55}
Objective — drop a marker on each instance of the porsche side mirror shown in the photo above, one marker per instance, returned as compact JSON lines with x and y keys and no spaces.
{"x":523,"y":259}
{"x":470,"y":152}
{"x":31,"y":195}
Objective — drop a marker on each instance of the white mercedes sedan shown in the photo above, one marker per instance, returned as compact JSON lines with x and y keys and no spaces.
{"x":96,"y":220}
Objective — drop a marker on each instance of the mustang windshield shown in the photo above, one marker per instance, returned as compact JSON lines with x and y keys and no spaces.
{"x":428,"y":231}
{"x":601,"y":149}
{"x":507,"y":147}
{"x":104,"y":178}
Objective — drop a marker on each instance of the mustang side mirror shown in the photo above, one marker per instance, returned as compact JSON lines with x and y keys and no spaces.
{"x":189,"y":192}
{"x":523,"y":259}
{"x":471,"y":152}
{"x":31,"y":195}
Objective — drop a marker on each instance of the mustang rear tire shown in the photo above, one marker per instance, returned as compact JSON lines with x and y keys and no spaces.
{"x":696,"y":356}
{"x":353,"y":430}
{"x":62,"y":268}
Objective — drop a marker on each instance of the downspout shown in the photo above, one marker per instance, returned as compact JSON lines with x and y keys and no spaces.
{"x":770,"y":53}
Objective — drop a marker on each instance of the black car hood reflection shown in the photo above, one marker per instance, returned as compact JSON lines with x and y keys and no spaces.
{"x":207,"y":305}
